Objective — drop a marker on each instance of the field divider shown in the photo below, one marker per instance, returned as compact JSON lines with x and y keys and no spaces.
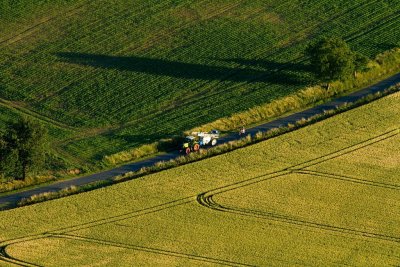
{"x":11,"y":105}
{"x":347,"y":150}
{"x":150,"y":250}
{"x":301,"y":222}
{"x":125,"y":216}
{"x":202,"y":197}
{"x":27,"y":32}
{"x":349,"y":179}
{"x":5,"y":257}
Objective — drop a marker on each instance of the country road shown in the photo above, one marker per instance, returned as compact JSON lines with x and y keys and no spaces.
{"x":11,"y":200}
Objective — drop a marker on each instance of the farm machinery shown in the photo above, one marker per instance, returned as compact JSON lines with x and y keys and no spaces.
{"x":199,"y":139}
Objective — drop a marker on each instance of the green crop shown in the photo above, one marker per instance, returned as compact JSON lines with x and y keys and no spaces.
{"x":127,"y":73}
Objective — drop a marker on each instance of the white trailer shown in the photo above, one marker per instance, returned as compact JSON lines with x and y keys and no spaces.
{"x":207,"y":138}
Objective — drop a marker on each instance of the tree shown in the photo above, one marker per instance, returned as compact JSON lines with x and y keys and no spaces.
{"x":24,"y":146}
{"x":8,"y":158}
{"x":360,"y":63}
{"x":331,"y":59}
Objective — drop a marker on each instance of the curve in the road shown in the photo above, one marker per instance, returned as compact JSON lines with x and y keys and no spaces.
{"x":10,"y":201}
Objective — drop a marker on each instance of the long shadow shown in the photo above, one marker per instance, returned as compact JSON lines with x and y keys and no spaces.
{"x":269,"y":65}
{"x":271,"y":72}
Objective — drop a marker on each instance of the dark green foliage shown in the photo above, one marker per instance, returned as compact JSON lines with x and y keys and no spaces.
{"x":360,"y":62}
{"x":137,"y":71}
{"x":331,"y":59}
{"x":8,"y":158}
{"x":22,"y":148}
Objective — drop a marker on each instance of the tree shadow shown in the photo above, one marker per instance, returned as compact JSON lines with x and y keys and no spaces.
{"x":268,"y":65}
{"x":271,"y":71}
{"x":138,"y":138}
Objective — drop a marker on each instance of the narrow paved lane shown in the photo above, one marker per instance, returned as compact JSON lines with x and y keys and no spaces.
{"x":11,"y":200}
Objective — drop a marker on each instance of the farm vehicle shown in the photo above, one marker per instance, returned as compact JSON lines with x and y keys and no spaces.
{"x":199,"y":139}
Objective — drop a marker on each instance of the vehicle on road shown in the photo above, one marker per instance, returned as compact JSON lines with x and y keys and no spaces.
{"x":199,"y":139}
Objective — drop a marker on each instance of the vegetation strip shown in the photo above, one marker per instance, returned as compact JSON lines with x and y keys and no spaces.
{"x":78,"y":69}
{"x":284,"y":219}
{"x":224,"y":148}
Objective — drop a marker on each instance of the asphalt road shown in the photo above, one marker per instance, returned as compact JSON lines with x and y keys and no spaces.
{"x":10,"y":201}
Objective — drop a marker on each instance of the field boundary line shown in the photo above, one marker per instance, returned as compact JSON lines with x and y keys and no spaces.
{"x":244,"y":183}
{"x":370,"y":28}
{"x":124,"y":216}
{"x":5,"y":257}
{"x":30,"y":30}
{"x":299,"y":222}
{"x":149,"y":250}
{"x":26,"y":111}
{"x":346,"y":150}
{"x":208,"y":202}
{"x":349,"y":179}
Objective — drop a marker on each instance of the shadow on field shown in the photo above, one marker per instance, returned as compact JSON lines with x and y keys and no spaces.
{"x":277,"y":73}
{"x":268,"y":65}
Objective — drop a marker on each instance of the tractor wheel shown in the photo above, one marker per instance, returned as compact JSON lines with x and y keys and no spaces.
{"x":187,"y":151}
{"x":213,"y":142}
{"x":196,"y":147}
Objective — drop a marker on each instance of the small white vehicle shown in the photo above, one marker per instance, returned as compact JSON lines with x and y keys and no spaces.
{"x":208,"y":139}
{"x":199,"y":139}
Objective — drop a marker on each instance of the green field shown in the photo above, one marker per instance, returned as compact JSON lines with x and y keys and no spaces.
{"x":324,"y":195}
{"x":123,"y":73}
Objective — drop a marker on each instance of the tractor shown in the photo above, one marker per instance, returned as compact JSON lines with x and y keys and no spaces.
{"x":199,"y":139}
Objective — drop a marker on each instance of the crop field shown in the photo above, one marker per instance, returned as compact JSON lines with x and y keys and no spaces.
{"x":324,"y":195}
{"x":123,"y":73}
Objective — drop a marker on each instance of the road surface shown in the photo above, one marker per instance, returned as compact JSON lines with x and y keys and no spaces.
{"x":11,"y":200}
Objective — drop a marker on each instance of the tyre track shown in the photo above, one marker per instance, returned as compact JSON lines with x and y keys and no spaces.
{"x":125,"y":216}
{"x":347,"y":150}
{"x":199,"y":197}
{"x":207,"y":200}
{"x":26,"y":111}
{"x":27,"y":32}
{"x":157,"y":251}
{"x":349,"y":179}
{"x":5,"y":257}
{"x":388,"y":20}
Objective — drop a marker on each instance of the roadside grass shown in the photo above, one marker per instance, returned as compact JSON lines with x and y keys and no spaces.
{"x":129,"y":73}
{"x":211,"y":152}
{"x":254,"y":205}
{"x":384,"y":65}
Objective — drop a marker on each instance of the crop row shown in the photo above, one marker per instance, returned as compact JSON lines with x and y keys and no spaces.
{"x":144,"y":66}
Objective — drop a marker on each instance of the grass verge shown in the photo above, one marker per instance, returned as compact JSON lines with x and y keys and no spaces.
{"x":206,"y":153}
{"x":384,"y":65}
